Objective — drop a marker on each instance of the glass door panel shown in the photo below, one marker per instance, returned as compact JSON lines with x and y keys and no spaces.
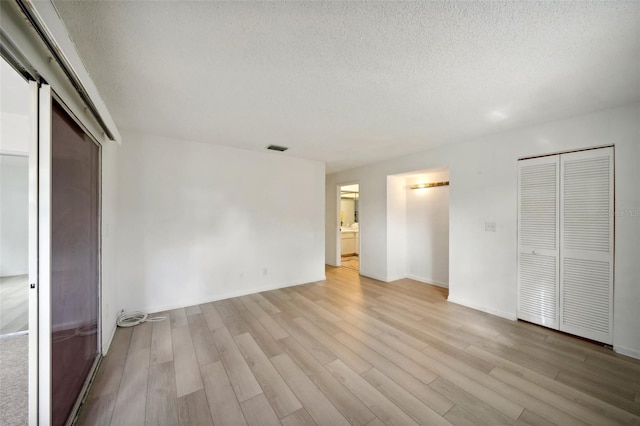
{"x":74,"y":261}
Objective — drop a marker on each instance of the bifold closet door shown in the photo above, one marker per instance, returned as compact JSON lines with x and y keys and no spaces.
{"x":586,"y":244}
{"x":565,"y":242}
{"x":538,"y":241}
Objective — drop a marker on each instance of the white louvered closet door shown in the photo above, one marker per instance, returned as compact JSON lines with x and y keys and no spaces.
{"x":538,"y":240}
{"x":586,"y":244}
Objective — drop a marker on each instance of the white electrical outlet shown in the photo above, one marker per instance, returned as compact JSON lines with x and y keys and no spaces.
{"x":490,"y":227}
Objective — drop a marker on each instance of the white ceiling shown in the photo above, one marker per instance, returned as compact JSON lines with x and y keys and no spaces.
{"x":352,"y":83}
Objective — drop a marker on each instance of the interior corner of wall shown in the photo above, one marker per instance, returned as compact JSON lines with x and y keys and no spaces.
{"x":633,"y":353}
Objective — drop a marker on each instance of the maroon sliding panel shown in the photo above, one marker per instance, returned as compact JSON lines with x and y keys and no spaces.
{"x":75,"y":172}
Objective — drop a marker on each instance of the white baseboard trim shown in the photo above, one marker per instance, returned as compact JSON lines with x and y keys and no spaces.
{"x":106,"y":345}
{"x":508,"y":315}
{"x":224,"y":296}
{"x":374,"y":276}
{"x":427,"y":281}
{"x":633,"y":353}
{"x":395,"y":278}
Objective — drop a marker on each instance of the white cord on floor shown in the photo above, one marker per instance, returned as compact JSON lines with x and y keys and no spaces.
{"x":130,"y":319}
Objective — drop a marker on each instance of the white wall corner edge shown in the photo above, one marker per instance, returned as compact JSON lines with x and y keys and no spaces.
{"x":106,"y":344}
{"x":623,"y":350}
{"x":230,"y":295}
{"x":427,"y":281}
{"x":374,"y":276}
{"x":395,"y":278}
{"x":508,"y":315}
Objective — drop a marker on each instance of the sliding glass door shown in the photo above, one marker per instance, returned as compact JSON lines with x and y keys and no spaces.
{"x":74,"y":261}
{"x":69,"y":248}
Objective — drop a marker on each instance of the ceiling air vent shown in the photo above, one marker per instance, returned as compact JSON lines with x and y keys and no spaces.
{"x":277,"y":148}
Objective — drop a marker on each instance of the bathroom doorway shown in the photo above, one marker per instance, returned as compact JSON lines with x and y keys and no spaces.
{"x":350,"y":226}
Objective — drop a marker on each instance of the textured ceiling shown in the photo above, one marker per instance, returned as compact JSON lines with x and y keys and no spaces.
{"x":352,"y":83}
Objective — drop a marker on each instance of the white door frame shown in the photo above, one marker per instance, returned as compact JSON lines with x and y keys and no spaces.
{"x":44,"y":255}
{"x":33,"y":254}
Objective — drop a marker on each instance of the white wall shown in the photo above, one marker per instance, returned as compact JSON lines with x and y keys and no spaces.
{"x":428,"y":230}
{"x":109,"y":301}
{"x":14,"y":215}
{"x":396,"y":228}
{"x":199,"y":222}
{"x":484,"y":189}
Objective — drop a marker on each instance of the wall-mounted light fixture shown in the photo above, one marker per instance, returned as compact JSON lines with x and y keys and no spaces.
{"x":429,"y":185}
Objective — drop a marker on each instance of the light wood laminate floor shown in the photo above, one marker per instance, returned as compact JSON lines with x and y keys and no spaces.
{"x":352,"y":350}
{"x":14,"y":304}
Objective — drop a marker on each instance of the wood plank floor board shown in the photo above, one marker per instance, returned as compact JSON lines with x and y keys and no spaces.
{"x":459,"y":417}
{"x":187,"y":371}
{"x":274,"y":387}
{"x":267,"y":306}
{"x":522,"y":396}
{"x":354,"y":350}
{"x":141,"y":338}
{"x":529,"y":418}
{"x":241,"y":377}
{"x":366,"y":325}
{"x":420,"y":412}
{"x":416,"y":330}
{"x":276,"y":331}
{"x":109,"y":375}
{"x":313,"y":400}
{"x":352,"y":359}
{"x":470,"y":404}
{"x":350,"y":406}
{"x":474,"y":381}
{"x":550,"y":353}
{"x":517,"y":357}
{"x":211,"y":315}
{"x":191,"y":310}
{"x":259,"y":412}
{"x":613,"y":384}
{"x":202,"y":337}
{"x":261,"y":335}
{"x":131,"y":401}
{"x":97,"y":411}
{"x":610,"y":405}
{"x":381,"y":406}
{"x":299,"y":418}
{"x":308,"y":305}
{"x":161,"y":406}
{"x":298,"y":306}
{"x":233,"y":322}
{"x":315,"y":348}
{"x":375,"y":327}
{"x":222,"y":402}
{"x":161,"y":343}
{"x":193,"y":410}
{"x":410,"y":366}
{"x":566,"y":405}
{"x":411,"y":384}
{"x":178,"y":318}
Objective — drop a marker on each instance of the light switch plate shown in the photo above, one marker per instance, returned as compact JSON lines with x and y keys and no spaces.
{"x":490,"y":227}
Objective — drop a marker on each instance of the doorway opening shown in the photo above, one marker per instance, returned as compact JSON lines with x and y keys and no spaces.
{"x":350,"y":226}
{"x":418,"y":226}
{"x":15,"y":135}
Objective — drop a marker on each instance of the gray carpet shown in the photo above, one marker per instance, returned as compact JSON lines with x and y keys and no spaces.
{"x":14,"y":365}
